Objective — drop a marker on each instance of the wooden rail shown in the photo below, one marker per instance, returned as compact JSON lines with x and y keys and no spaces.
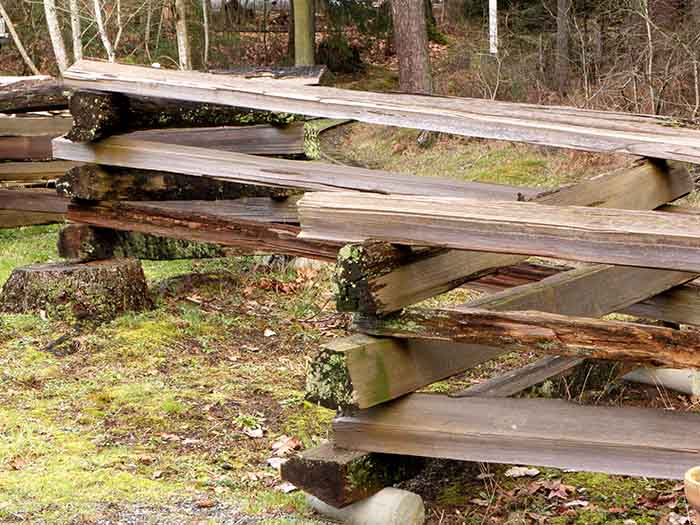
{"x":645,"y":135}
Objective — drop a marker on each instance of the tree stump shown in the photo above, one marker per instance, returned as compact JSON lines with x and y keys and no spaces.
{"x":97,"y":291}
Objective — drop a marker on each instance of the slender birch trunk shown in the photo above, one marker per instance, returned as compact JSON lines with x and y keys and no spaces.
{"x":205,"y":15}
{"x":17,"y":41}
{"x":183,"y":39}
{"x":102,"y":30}
{"x":59,"y":46}
{"x":77,"y":32}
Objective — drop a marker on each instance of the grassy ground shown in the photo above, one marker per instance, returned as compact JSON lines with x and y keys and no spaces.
{"x":169,"y":416}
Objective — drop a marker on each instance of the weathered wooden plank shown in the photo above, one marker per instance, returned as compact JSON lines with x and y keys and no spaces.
{"x":649,"y":136}
{"x":33,"y":200}
{"x":99,"y":115}
{"x":680,"y":304}
{"x":380,"y":278}
{"x":367,"y":371}
{"x":300,"y":75}
{"x":33,"y":171}
{"x":33,"y":94}
{"x":340,"y":476}
{"x":514,"y":381}
{"x":247,"y":169}
{"x":26,"y":148}
{"x":34,"y":125}
{"x":611,"y":236}
{"x":107,"y":183}
{"x":261,"y":139}
{"x":80,"y":242}
{"x":255,"y":225}
{"x":16,"y":219}
{"x":552,"y":433}
{"x":547,"y":333}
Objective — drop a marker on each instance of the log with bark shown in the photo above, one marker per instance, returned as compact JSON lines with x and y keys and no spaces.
{"x":79,"y":242}
{"x":99,"y":115}
{"x":33,"y":94}
{"x":106,"y":183}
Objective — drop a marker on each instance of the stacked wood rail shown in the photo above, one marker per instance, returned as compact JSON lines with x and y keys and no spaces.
{"x":32,"y":113}
{"x":402,"y":239}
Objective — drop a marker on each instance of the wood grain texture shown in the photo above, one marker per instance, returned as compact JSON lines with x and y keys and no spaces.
{"x":33,"y":200}
{"x":612,"y":236}
{"x":588,"y":130}
{"x":247,"y":169}
{"x":680,"y":304}
{"x":16,"y":219}
{"x":379,"y":278}
{"x":300,"y":75}
{"x":261,"y":139}
{"x":26,"y":148}
{"x":32,"y":171}
{"x":552,"y":433}
{"x":515,"y":381}
{"x":255,"y":225}
{"x":552,"y":334}
{"x":33,"y":125}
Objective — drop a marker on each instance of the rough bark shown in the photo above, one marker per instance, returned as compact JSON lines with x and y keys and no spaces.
{"x":76,"y":30}
{"x":106,"y":183}
{"x":99,"y":115}
{"x":184,"y":49}
{"x":33,"y":95}
{"x":411,"y":38}
{"x":71,"y":291}
{"x":79,"y":242}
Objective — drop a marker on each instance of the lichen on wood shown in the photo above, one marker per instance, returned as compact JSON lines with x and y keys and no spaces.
{"x":97,"y":291}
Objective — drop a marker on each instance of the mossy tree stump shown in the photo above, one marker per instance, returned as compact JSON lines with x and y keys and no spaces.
{"x":97,"y":291}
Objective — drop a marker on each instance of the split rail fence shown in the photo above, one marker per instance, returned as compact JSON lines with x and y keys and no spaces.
{"x":398,"y":240}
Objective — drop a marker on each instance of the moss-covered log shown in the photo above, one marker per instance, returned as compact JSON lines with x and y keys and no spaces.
{"x":77,"y":291}
{"x":340,"y":476}
{"x":80,"y":242}
{"x":98,"y":115}
{"x":34,"y":94}
{"x":108,"y":183}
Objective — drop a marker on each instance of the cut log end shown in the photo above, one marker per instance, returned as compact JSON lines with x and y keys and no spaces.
{"x":328,"y":381}
{"x":97,"y":291}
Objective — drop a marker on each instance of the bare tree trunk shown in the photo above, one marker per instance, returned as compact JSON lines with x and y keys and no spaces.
{"x":695,"y":11}
{"x":304,"y":34}
{"x":411,"y":40}
{"x":205,"y":16}
{"x":75,"y":28}
{"x":147,"y":32}
{"x":290,"y":31}
{"x":562,"y":65}
{"x":183,"y":38}
{"x":17,"y":41}
{"x":59,"y":47}
{"x":102,"y":30}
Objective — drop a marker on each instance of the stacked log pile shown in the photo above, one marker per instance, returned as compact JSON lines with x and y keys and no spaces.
{"x":400,"y":240}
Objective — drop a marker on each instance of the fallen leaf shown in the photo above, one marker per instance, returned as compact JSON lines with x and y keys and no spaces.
{"x":285,"y":445}
{"x":254,"y":432}
{"x":576,"y":503}
{"x":205,"y":503}
{"x":18,"y":463}
{"x":269,"y":333}
{"x":276,"y":463}
{"x":286,"y":487}
{"x":521,"y":472}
